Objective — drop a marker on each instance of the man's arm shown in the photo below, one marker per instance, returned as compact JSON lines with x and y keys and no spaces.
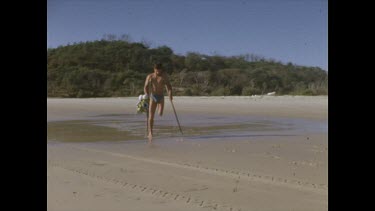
{"x":145,"y":88}
{"x":169,"y":88}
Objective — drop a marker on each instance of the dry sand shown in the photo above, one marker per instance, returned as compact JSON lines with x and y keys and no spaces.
{"x":249,"y":168}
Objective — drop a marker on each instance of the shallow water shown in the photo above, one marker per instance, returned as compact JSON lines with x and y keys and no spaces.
{"x":132,"y":127}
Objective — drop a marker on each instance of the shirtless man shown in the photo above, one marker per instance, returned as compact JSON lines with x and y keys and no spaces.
{"x":155,"y":83}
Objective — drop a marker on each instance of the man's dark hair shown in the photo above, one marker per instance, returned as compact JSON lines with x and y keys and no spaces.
{"x":158,"y":66}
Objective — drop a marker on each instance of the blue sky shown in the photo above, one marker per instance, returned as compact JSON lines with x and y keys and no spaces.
{"x":286,"y":30}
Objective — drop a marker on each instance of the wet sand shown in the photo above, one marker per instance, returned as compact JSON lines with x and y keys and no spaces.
{"x":237,"y":153}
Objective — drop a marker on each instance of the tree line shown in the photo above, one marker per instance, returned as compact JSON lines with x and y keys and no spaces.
{"x":113,"y":67}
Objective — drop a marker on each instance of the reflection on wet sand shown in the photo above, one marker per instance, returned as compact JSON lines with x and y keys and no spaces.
{"x":114,"y":127}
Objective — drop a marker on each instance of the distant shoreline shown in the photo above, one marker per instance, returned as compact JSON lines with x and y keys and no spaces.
{"x":205,"y":96}
{"x":309,"y":107}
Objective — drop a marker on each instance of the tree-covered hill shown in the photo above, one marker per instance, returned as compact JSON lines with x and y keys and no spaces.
{"x":114,"y":67}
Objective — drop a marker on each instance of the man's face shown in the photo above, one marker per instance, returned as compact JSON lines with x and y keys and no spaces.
{"x":158,"y":71}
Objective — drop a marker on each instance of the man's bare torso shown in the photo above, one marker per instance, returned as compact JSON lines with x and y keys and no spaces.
{"x":157,"y":83}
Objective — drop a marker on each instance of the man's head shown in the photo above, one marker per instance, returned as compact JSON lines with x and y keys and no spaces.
{"x":158,"y":69}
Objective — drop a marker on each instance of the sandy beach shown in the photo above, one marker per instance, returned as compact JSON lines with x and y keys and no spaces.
{"x":236,"y":153}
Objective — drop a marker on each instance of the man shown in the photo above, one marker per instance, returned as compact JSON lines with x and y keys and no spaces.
{"x":154,"y":87}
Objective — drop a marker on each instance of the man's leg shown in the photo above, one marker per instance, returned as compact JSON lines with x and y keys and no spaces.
{"x":161,"y":107}
{"x":151,"y":118}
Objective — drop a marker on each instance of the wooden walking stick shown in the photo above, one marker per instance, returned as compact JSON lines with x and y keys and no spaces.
{"x":175,"y":114}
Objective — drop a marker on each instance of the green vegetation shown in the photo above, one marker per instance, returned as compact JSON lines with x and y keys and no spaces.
{"x":118,"y":67}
